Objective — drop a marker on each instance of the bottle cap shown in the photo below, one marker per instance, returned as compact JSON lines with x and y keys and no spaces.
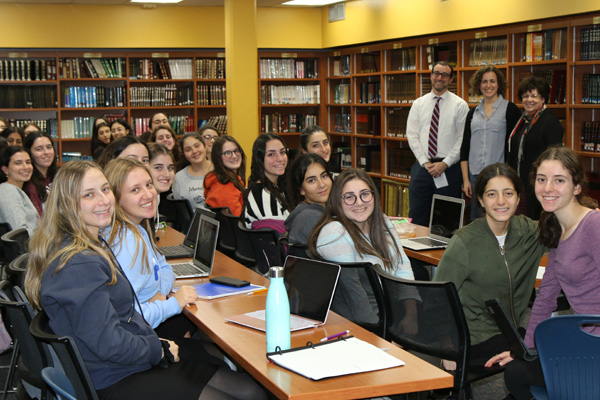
{"x":276,"y":272}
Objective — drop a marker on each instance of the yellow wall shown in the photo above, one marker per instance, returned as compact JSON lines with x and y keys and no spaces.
{"x":374,"y":20}
{"x":98,"y":26}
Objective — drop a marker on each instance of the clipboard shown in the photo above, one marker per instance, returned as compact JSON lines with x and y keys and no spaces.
{"x":344,"y":356}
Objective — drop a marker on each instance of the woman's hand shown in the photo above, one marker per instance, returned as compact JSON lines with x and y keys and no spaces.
{"x":185,"y":295}
{"x":467,"y":189}
{"x":174,"y":349}
{"x":502,"y":359}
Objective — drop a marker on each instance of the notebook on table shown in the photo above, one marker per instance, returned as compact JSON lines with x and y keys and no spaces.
{"x":446,"y":218}
{"x":310,"y":286}
{"x":204,"y":251}
{"x":516,"y":345}
{"x":186,"y":249}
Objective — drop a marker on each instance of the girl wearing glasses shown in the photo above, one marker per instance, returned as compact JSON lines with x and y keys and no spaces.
{"x":538,"y":129}
{"x":353,"y":229}
{"x":224,"y":187}
{"x":209,"y":134}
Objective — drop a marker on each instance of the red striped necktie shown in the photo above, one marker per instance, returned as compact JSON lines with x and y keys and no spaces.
{"x":433,"y":130}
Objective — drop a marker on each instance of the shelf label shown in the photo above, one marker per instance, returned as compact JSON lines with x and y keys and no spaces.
{"x":17,"y":55}
{"x":397,"y":45}
{"x":364,"y":50}
{"x":92,"y":55}
{"x":534,"y":28}
{"x":434,"y":41}
{"x":160,"y":55}
{"x":480,"y":35}
{"x":289,"y":55}
{"x":337,"y":53}
{"x":220,"y":55}
{"x":596,"y":20}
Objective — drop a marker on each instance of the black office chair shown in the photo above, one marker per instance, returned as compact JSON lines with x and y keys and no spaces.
{"x":244,"y":253}
{"x":264,"y":245}
{"x":285,"y":248}
{"x":16,"y":270}
{"x":227,"y":243}
{"x":27,"y":355}
{"x":15,"y":242}
{"x":368,"y":276}
{"x":179,"y":212}
{"x":4,"y":228}
{"x":438,"y":329}
{"x":68,"y":355}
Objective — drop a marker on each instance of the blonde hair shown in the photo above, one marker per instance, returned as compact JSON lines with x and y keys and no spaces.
{"x":117,"y":171}
{"x":62,"y":233}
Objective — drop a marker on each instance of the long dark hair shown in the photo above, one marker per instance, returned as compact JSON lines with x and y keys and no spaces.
{"x":493,"y":171}
{"x":96,"y":143}
{"x":224,"y":174}
{"x":297,"y":173}
{"x":307,"y":133}
{"x":550,"y":229}
{"x":176,"y":148}
{"x":37,"y":179}
{"x":183,"y":161}
{"x":257,"y":169}
{"x":381,"y":240}
{"x":116,"y":147}
{"x":5,"y":157}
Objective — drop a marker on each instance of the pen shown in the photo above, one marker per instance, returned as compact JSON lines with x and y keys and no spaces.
{"x":258,"y":291}
{"x":334,"y":336}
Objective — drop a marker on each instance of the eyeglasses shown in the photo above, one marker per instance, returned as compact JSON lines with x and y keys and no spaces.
{"x":231,"y":153}
{"x":209,"y":137}
{"x":365,"y":197}
{"x":444,"y":75}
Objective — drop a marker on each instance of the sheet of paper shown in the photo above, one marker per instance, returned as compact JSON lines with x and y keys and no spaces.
{"x":540,"y":272}
{"x":441,"y":181}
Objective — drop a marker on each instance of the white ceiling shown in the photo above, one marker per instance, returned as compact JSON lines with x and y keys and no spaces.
{"x":219,"y":3}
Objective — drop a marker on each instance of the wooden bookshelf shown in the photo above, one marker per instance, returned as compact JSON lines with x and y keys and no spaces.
{"x":75,"y":87}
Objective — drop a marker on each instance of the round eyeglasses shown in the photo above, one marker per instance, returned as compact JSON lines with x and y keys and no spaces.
{"x":365,"y":197}
{"x":231,"y":153}
{"x":209,"y":137}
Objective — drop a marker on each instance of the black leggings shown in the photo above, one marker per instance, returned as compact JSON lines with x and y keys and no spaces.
{"x":519,"y":375}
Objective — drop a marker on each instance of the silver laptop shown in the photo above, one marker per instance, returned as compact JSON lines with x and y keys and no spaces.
{"x":446,"y":218}
{"x":185,"y":249}
{"x":310,"y":286}
{"x":204,"y":252}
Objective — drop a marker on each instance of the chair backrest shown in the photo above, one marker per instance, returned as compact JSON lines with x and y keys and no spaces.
{"x":183,"y":213}
{"x":569,"y":356}
{"x":436,"y":328}
{"x":16,"y":242}
{"x":68,"y":354}
{"x":264,"y":245}
{"x":374,"y":286}
{"x":59,"y":382}
{"x":33,"y":359}
{"x":244,"y":253}
{"x":294,"y":249}
{"x":227,"y":243}
{"x":17,"y":268}
{"x":4,"y":228}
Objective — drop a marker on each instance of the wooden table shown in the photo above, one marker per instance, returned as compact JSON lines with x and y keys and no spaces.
{"x":248,"y":346}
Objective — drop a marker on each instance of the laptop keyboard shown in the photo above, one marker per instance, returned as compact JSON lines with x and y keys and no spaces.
{"x":295,"y":321}
{"x":429,"y":242}
{"x":186,"y":269}
{"x":176,"y":251}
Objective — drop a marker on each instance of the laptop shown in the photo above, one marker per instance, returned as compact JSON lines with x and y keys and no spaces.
{"x":517,"y":347}
{"x":310,"y":286}
{"x":204,"y":251}
{"x":446,"y":218}
{"x":185,"y":249}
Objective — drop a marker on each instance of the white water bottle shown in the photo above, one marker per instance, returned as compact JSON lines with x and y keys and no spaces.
{"x":277,"y":312}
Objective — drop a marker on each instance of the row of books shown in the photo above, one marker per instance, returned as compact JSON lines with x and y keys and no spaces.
{"x":288,"y":68}
{"x":73,"y":68}
{"x":396,"y":201}
{"x":342,"y":93}
{"x":590,"y":44}
{"x":369,"y":157}
{"x":404,"y":59}
{"x":161,"y":69}
{"x":342,"y":123}
{"x":210,"y":68}
{"x":158,"y":96}
{"x":94,"y":96}
{"x":400,"y":160}
{"x":544,"y":46}
{"x":27,"y":70}
{"x":346,"y":154}
{"x":219,"y":122}
{"x":28,"y":96}
{"x":370,"y":93}
{"x":341,"y":66}
{"x":368,"y":122}
{"x":590,"y":136}
{"x":441,"y":52}
{"x":396,"y":122}
{"x":557,"y":80}
{"x":50,"y":125}
{"x":400,"y":88}
{"x":368,"y":63}
{"x":487,"y":52}
{"x":180,"y":124}
{"x":297,"y":94}
{"x":77,"y":128}
{"x":284,"y":123}
{"x":212,"y":95}
{"x":74,"y":156}
{"x":590,"y":90}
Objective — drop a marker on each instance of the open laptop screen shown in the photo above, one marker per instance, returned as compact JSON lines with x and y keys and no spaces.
{"x":446,"y":216}
{"x":207,"y":242}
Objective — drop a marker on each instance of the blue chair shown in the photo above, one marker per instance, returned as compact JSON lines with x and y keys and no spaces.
{"x":59,"y":382}
{"x":569,"y":357}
